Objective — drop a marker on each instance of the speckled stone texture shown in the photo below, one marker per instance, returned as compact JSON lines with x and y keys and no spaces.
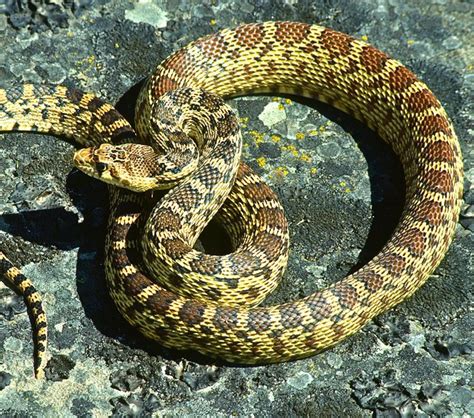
{"x":342,"y":190}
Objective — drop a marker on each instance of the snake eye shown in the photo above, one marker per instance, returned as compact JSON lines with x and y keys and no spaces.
{"x":101,"y":167}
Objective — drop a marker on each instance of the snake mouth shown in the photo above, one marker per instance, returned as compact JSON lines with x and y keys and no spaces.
{"x":86,"y":160}
{"x":82,"y":157}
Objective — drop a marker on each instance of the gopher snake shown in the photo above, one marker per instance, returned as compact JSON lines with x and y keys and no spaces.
{"x":280,"y":57}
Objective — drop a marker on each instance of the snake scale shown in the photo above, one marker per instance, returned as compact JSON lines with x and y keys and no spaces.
{"x":273,"y":57}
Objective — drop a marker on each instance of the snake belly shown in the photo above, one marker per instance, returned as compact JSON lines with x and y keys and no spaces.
{"x":314,"y":62}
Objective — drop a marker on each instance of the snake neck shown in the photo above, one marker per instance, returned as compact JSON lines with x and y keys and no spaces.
{"x":175,"y":224}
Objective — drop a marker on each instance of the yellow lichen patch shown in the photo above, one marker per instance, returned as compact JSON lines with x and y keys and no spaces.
{"x":345,"y":186}
{"x":281,"y":107}
{"x":244,"y":122}
{"x":313,"y":170}
{"x":365,"y":38}
{"x":281,"y":171}
{"x":291,"y":149}
{"x":212,"y":22}
{"x":305,"y":157}
{"x":410,"y":42}
{"x":261,"y":161}
{"x":299,"y":135}
{"x":256,"y":136}
{"x":288,"y":101}
{"x":275,"y":99}
{"x":313,"y":132}
{"x":275,"y":138}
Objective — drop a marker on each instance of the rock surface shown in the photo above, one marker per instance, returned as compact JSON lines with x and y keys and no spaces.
{"x":342,"y":190}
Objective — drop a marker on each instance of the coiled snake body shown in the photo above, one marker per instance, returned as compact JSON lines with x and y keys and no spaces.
{"x":296,"y":58}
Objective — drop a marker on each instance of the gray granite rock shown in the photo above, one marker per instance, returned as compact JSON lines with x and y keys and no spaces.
{"x":342,"y":190}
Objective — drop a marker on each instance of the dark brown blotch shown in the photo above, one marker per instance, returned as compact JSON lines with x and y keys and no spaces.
{"x":167,"y":220}
{"x":120,"y":259}
{"x":319,"y":307}
{"x":337,"y":44}
{"x":119,"y":231}
{"x":372,"y":59}
{"x":421,"y":100}
{"x":312,"y":343}
{"x":94,"y":104}
{"x":428,"y":211}
{"x":213,"y":46}
{"x":401,"y":78}
{"x":225,"y":319}
{"x":176,"y":248}
{"x":371,"y":280}
{"x":135,"y":284}
{"x":258,"y":320}
{"x":74,"y":95}
{"x":110,"y":117}
{"x":279,"y":346}
{"x":175,"y":280}
{"x":191,"y":312}
{"x":249,"y":36}
{"x":393,"y":263}
{"x":439,"y":151}
{"x":187,"y":197}
{"x":227,"y":124}
{"x":346,"y":294}
{"x":160,"y":302}
{"x":438,"y":181}
{"x":206,"y":264}
{"x":268,"y":243}
{"x":414,"y":241}
{"x":432,"y":124}
{"x":290,"y":316}
{"x":252,"y":292}
{"x":291,"y":32}
{"x":339,"y":331}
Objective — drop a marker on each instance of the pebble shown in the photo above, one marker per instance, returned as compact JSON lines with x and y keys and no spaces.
{"x":5,"y":379}
{"x":468,"y":212}
{"x":19,"y":20}
{"x":468,"y":224}
{"x":56,"y":74}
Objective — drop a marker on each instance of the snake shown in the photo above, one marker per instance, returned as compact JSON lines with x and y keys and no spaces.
{"x":186,"y":299}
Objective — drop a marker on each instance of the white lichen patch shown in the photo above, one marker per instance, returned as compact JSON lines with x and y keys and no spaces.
{"x":300,"y":381}
{"x":146,"y":11}
{"x":272,"y":114}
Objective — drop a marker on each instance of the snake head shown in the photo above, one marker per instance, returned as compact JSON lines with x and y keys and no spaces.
{"x":134,"y":167}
